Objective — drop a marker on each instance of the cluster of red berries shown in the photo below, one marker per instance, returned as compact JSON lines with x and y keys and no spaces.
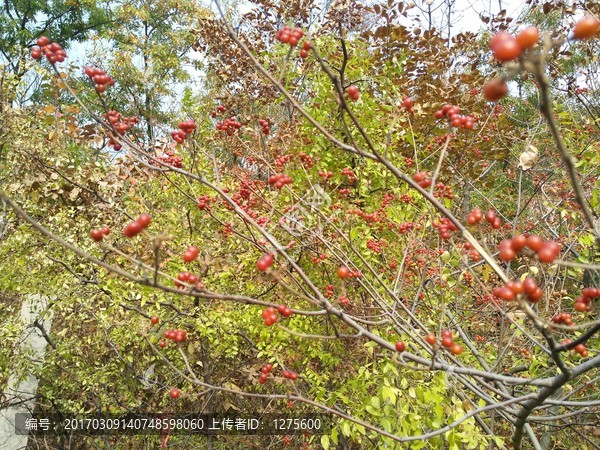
{"x":169,"y":158}
{"x":175,"y":335}
{"x":565,"y":318}
{"x":349,"y":174}
{"x":405,"y":227}
{"x":328,"y":291}
{"x":99,"y":78}
{"x":375,"y":246}
{"x":121,"y":124}
{"x":579,"y":348}
{"x":443,"y":190}
{"x":264,"y":125}
{"x":279,"y":180}
{"x":319,"y":259}
{"x":290,"y":375}
{"x":228,"y":125}
{"x":473,"y":254}
{"x":423,"y":179}
{"x":220,"y":110}
{"x":186,"y":277}
{"x":292,"y":37}
{"x":506,"y":47}
{"x":407,"y":103}
{"x":204,"y":202}
{"x":325,"y":174}
{"x":447,"y":341}
{"x":582,"y":302}
{"x":190,"y":254}
{"x":513,"y":288}
{"x":264,"y":373}
{"x":475,"y":216}
{"x":282,"y":160}
{"x":445,"y":227}
{"x":457,"y":120}
{"x":345,"y":272}
{"x":265,"y":262}
{"x":269,"y":314}
{"x":306,"y":160}
{"x":184,"y":129}
{"x":134,"y":228}
{"x":353,"y":93}
{"x":547,"y":252}
{"x":99,"y":233}
{"x":52,"y":50}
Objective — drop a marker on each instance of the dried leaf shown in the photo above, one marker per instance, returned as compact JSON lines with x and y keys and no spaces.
{"x":528,"y":158}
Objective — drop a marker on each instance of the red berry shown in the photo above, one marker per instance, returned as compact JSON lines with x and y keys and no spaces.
{"x":504,"y":293}
{"x":144,"y":220}
{"x":528,"y":37}
{"x":174,"y":393}
{"x":400,"y":346}
{"x":580,"y":307}
{"x":42,"y":41}
{"x":132,"y":229}
{"x":535,"y":243}
{"x":506,"y":254}
{"x":447,"y":341}
{"x":585,"y":28}
{"x":505,"y":47}
{"x":268,"y":312}
{"x":96,"y":235}
{"x":515,"y":286}
{"x":536,"y":295}
{"x":343,"y":272}
{"x":154,"y":320}
{"x":546,"y":254}
{"x":579,"y":348}
{"x":353,"y":92}
{"x":180,"y":336}
{"x":263,"y":378}
{"x":105,"y":230}
{"x":530,"y":285}
{"x":270,"y":320}
{"x":190,"y":254}
{"x":490,"y":215}
{"x":430,"y":339}
{"x":518,"y":242}
{"x":495,"y":89}
{"x":456,"y":349}
{"x":183,"y":276}
{"x":266,"y":368}
{"x":162,"y":344}
{"x":265,"y":262}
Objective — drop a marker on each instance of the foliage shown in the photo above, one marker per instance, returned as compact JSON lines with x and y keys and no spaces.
{"x":353,"y":203}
